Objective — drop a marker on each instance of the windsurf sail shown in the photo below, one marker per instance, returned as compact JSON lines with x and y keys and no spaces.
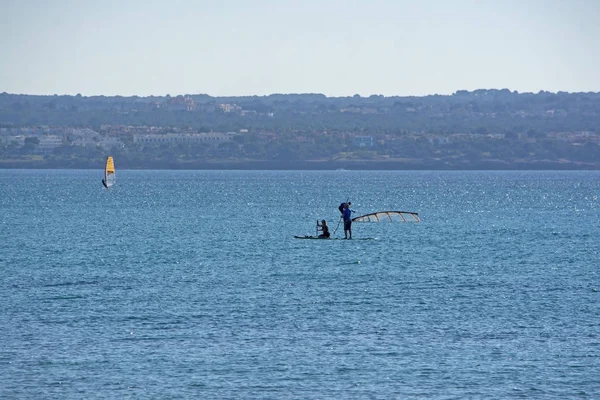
{"x":391,"y":216}
{"x":109,"y":173}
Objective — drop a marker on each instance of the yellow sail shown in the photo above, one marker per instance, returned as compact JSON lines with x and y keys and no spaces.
{"x":110,"y":166}
{"x":109,"y":172}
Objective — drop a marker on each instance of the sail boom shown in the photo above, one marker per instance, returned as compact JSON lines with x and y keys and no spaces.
{"x":380,"y":216}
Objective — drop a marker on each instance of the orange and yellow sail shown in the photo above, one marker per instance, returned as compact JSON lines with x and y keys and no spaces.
{"x":109,"y":172}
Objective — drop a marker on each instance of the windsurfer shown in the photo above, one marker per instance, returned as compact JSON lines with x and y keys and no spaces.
{"x":104,"y":183}
{"x":323,"y":227}
{"x":347,"y":214}
{"x":341,"y":208}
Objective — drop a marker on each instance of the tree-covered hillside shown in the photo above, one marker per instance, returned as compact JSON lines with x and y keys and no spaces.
{"x":479,"y":129}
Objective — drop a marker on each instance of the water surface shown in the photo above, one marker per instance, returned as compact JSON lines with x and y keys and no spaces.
{"x":181,"y":284}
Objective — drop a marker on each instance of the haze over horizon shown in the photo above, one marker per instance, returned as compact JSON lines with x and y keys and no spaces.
{"x":338,"y":48}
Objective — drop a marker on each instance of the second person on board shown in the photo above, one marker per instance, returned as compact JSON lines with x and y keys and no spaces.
{"x":323,"y":227}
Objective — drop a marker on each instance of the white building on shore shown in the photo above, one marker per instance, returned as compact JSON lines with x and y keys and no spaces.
{"x":189,"y":138}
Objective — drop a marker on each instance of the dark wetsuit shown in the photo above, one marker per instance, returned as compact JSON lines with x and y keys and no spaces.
{"x":104,"y":183}
{"x":325,"y":233}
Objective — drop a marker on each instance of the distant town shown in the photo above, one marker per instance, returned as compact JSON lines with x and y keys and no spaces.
{"x":483,"y":129}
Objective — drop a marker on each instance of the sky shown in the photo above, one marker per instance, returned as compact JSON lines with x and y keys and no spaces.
{"x":261,"y":47}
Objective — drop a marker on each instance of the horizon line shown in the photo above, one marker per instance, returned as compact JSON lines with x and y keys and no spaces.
{"x":357,"y":95}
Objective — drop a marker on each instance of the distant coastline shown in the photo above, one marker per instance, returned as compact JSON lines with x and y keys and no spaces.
{"x":486,"y":129}
{"x":308,"y":165}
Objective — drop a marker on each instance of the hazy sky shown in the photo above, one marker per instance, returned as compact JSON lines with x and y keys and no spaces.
{"x":258,"y":47}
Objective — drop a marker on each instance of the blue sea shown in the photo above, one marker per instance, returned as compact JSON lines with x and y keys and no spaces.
{"x":190,"y":284}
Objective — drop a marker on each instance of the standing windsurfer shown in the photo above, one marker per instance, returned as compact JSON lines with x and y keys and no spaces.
{"x":347,"y":214}
{"x":341,"y":208}
{"x":104,"y":183}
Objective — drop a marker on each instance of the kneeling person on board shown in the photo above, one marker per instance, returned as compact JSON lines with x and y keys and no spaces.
{"x":323,"y":227}
{"x":347,"y":221}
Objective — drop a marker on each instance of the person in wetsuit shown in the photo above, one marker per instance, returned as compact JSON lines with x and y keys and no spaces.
{"x":323,"y":227}
{"x":104,"y":183}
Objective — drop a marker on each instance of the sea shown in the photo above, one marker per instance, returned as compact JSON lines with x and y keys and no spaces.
{"x":190,"y":284}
